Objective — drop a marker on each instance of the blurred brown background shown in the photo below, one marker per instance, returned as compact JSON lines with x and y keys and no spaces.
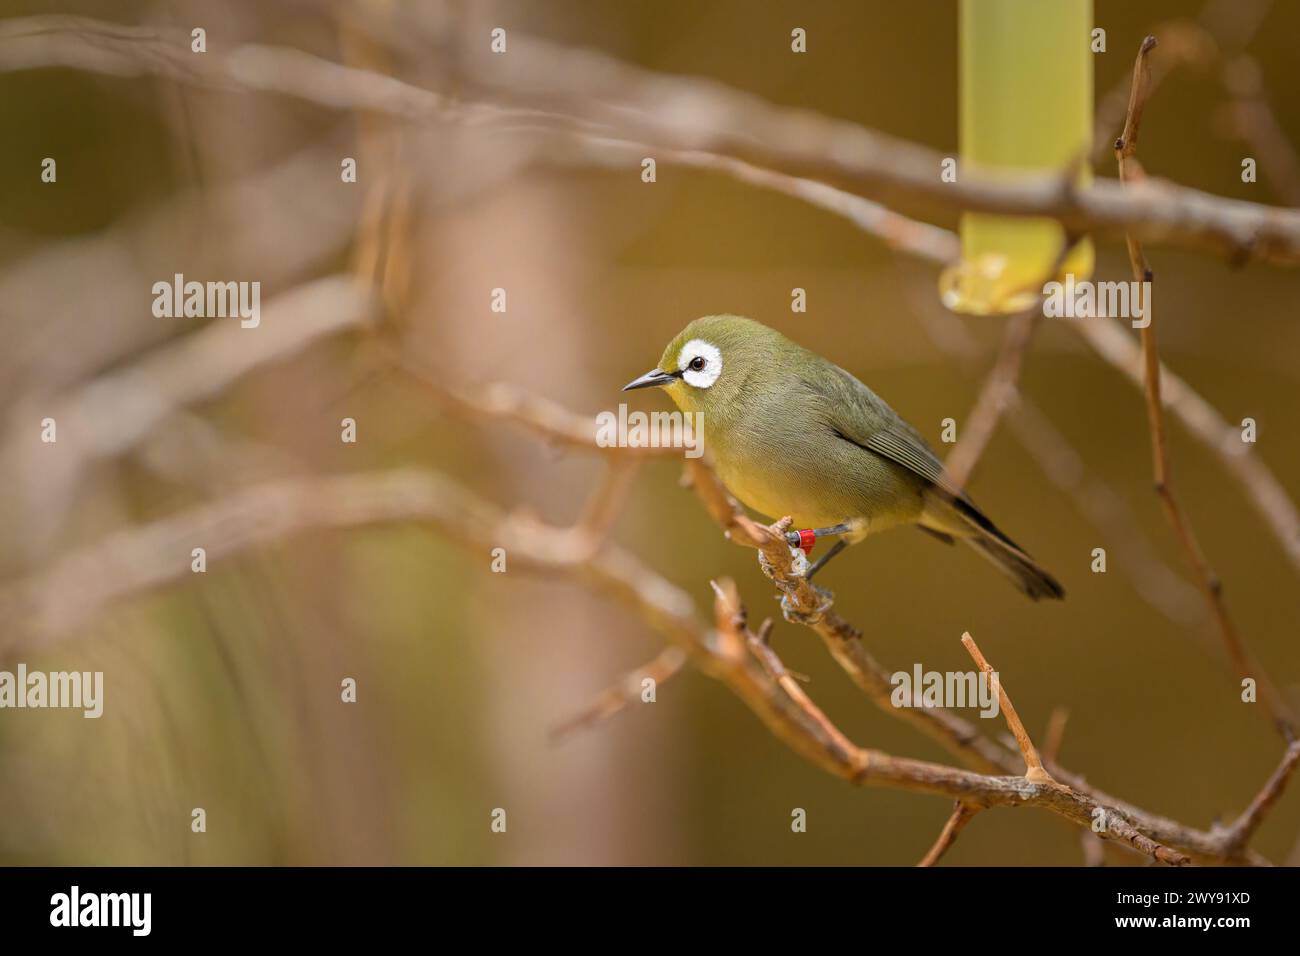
{"x":222,"y":690}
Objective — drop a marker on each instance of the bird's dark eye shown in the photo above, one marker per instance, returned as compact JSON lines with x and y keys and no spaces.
{"x":697,"y":364}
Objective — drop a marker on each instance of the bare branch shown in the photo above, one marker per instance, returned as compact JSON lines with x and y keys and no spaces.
{"x":116,"y":266}
{"x":732,"y":626}
{"x":605,"y":504}
{"x":699,"y":117}
{"x":1000,"y":389}
{"x":811,"y":606}
{"x":1255,"y":121}
{"x":617,"y":698}
{"x":1055,"y":734}
{"x":1243,"y":828}
{"x":114,"y":413}
{"x":1094,"y":848}
{"x":1062,"y":464}
{"x":806,"y":604}
{"x":1211,"y":587}
{"x":961,"y":815}
{"x":1263,"y":490}
{"x":496,"y":400}
{"x":689,"y":114}
{"x":144,"y":558}
{"x":997,"y":395}
{"x":1033,"y":765}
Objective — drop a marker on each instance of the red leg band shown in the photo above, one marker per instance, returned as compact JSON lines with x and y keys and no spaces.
{"x":807,"y":538}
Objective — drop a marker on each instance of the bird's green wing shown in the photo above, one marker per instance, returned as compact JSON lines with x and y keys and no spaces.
{"x":857,"y":415}
{"x":904,"y":447}
{"x":860,"y":416}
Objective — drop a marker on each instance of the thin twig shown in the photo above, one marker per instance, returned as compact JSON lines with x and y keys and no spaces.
{"x":605,"y":504}
{"x":144,"y":558}
{"x":1093,"y":847}
{"x":496,"y":400}
{"x":1244,"y":827}
{"x":718,"y":120}
{"x":1262,"y":488}
{"x":1255,"y":121}
{"x":1130,"y":171}
{"x":1000,"y":390}
{"x":961,"y":815}
{"x":995,"y":397}
{"x":812,"y":606}
{"x":1055,"y":734}
{"x":618,"y":697}
{"x":732,"y":623}
{"x":1061,"y":463}
{"x":794,"y":142}
{"x":1033,"y":765}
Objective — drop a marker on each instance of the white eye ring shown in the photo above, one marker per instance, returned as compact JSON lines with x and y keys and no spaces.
{"x":706,"y":376}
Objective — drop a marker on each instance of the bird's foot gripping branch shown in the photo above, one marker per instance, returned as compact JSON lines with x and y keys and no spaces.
{"x":801,"y":602}
{"x":791,"y":611}
{"x":806,"y":539}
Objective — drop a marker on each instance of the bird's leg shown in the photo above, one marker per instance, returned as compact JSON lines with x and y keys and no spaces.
{"x":805,"y":540}
{"x":821,"y":562}
{"x":842,"y":528}
{"x":807,"y":537}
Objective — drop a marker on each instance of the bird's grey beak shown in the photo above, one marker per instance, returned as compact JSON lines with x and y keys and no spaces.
{"x":650,"y":379}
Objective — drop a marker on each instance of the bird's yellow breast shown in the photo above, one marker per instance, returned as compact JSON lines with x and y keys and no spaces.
{"x":777,"y":478}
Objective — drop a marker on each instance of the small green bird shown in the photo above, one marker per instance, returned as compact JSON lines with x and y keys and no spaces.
{"x":792,"y":434}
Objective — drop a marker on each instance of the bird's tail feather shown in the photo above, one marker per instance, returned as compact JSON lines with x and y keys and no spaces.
{"x":1007,"y":556}
{"x":1024,"y":572}
{"x":947,"y":517}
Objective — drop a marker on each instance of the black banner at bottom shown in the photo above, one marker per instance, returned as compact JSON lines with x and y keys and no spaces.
{"x":333,"y":905}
